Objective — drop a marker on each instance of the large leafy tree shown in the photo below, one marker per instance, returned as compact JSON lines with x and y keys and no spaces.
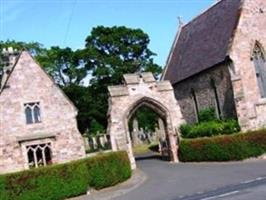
{"x":64,"y":65}
{"x":111,"y":52}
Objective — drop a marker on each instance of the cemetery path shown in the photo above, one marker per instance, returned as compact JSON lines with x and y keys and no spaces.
{"x":200,"y":181}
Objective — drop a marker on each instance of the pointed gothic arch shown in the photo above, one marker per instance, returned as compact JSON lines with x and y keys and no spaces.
{"x":142,"y":90}
{"x":258,"y":58}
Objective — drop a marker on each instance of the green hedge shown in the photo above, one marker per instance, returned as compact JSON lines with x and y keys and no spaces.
{"x":210,"y":128}
{"x":223,"y":148}
{"x":66,"y":180}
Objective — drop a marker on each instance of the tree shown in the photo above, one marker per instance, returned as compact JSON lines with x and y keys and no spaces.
{"x":34,"y":48}
{"x":111,"y":52}
{"x":64,"y":65}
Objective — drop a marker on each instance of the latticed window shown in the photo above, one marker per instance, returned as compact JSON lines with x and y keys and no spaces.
{"x":260,"y":67}
{"x":32,"y":112}
{"x":39,"y":155}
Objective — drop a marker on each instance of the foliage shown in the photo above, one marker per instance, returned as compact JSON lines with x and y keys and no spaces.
{"x":91,"y":113}
{"x":108,"y":54}
{"x":209,"y":128}
{"x":223,"y":148}
{"x":64,"y":65}
{"x":111,"y":52}
{"x":147,"y":119}
{"x":207,"y":114}
{"x":62,"y":181}
{"x":34,"y":48}
{"x":96,"y":127}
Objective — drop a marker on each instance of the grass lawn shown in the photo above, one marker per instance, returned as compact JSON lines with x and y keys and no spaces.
{"x":145,"y":148}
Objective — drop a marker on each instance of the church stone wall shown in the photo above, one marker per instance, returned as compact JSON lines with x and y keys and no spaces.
{"x":251,"y":108}
{"x":204,"y":92}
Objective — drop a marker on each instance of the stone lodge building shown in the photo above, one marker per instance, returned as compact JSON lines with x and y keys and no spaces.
{"x":219,"y":60}
{"x":37,"y":121}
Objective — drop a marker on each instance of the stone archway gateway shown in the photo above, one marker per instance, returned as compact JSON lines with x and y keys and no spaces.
{"x":142,"y":90}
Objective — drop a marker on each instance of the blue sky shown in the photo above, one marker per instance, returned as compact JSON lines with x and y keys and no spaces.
{"x":68,"y":22}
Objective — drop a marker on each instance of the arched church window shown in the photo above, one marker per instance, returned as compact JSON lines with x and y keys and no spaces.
{"x":32,"y":112}
{"x":260,"y":67}
{"x":217,"y":102}
{"x":28,"y":114}
{"x":37,"y":114}
{"x":195,"y":104}
{"x":39,"y":155}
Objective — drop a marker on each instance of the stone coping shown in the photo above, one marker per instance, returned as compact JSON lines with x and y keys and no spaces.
{"x":35,"y":137}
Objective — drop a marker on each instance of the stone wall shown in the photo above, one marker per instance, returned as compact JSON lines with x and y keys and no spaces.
{"x":204,"y":92}
{"x":251,"y":29}
{"x":29,"y":83}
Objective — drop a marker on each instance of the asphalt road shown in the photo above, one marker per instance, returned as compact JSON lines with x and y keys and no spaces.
{"x":200,"y":181}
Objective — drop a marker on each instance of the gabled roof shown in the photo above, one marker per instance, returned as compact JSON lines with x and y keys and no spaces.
{"x":26,"y":53}
{"x":203,"y":42}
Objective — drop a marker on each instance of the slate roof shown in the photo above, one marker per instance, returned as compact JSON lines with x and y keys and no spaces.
{"x":204,"y":41}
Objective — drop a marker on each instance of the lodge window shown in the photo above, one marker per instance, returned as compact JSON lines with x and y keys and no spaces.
{"x":39,"y":155}
{"x":260,"y":68}
{"x":32,"y":113}
{"x":217,"y":102}
{"x":195,"y":104}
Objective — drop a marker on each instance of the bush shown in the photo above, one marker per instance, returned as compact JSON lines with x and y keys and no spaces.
{"x":207,"y":129}
{"x":207,"y":114}
{"x":223,"y":148}
{"x":66,"y":180}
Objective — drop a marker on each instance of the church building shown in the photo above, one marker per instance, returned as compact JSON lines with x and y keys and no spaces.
{"x":218,"y":60}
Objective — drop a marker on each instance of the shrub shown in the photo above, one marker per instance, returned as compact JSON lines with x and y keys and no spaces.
{"x":66,"y":180}
{"x":207,"y":129}
{"x":207,"y":114}
{"x":223,"y":148}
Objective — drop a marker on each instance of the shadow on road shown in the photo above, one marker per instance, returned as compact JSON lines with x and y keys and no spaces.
{"x":151,"y":156}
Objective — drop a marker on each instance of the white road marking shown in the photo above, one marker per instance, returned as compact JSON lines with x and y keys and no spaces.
{"x":221,"y":195}
{"x":229,"y":193}
{"x":248,"y":181}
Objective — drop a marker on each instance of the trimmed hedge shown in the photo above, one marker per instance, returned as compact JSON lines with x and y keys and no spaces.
{"x":223,"y":148}
{"x":62,"y":181}
{"x":210,"y":128}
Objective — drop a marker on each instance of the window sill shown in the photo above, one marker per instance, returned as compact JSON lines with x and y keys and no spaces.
{"x":35,"y":137}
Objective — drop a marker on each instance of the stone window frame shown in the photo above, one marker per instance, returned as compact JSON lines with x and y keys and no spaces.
{"x":37,"y":142}
{"x":261,"y":87}
{"x":32,"y":105}
{"x":39,"y":160}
